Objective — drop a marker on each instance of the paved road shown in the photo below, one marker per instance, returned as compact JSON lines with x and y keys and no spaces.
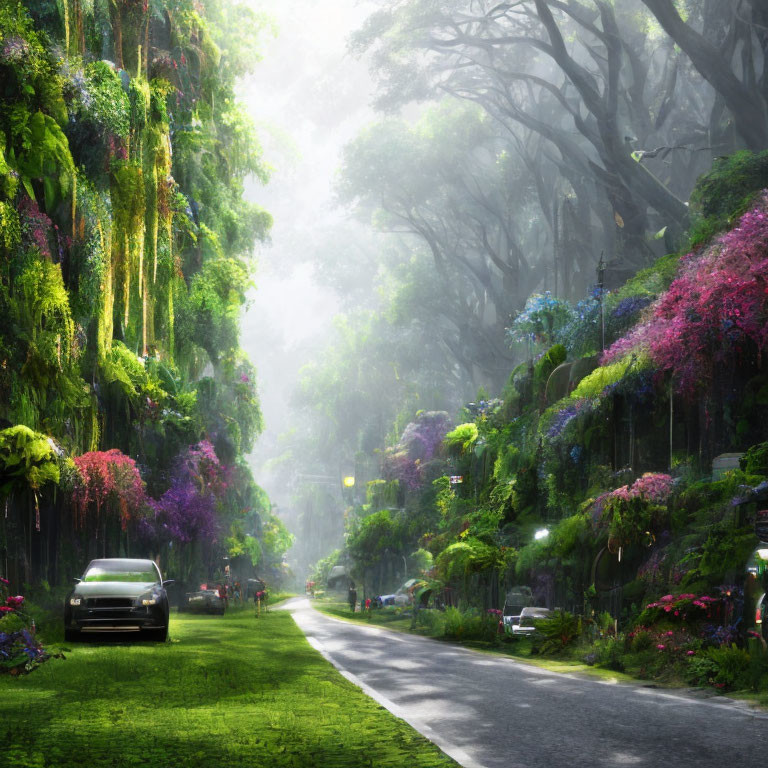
{"x":486,"y":711}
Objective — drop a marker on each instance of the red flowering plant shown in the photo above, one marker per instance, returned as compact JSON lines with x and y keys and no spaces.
{"x":8,"y":602}
{"x":107,"y":480}
{"x":714,"y":311}
{"x":633,"y":512}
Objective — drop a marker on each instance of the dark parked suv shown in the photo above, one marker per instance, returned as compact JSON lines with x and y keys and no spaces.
{"x":118,"y":595}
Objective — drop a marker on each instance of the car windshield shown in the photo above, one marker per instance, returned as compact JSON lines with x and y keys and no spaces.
{"x":137,"y":572}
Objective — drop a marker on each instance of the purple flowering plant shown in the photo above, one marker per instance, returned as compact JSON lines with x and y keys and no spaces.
{"x":418,"y":445}
{"x":187,"y":511}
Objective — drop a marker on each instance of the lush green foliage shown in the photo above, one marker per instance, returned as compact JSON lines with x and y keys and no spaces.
{"x":124,"y":263}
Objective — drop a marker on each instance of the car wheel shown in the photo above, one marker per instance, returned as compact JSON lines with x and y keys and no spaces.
{"x":71,"y":635}
{"x":160,"y":635}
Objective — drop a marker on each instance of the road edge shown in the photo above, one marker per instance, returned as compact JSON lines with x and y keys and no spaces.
{"x":693,"y":695}
{"x":456,"y":753}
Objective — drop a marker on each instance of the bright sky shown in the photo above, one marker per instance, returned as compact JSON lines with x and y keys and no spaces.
{"x":308,"y":97}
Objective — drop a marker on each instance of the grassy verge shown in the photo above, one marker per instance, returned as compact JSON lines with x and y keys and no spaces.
{"x":278,"y":597}
{"x":384,"y":617}
{"x":225,"y":691}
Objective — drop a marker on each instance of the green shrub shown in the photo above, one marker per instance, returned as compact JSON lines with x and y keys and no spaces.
{"x":462,"y":439}
{"x":701,"y":670}
{"x":642,"y":641}
{"x":610,"y":653}
{"x":470,"y":625}
{"x":431,"y":620}
{"x":550,"y":360}
{"x":755,"y":460}
{"x":558,"y":631}
{"x":594,"y":384}
{"x":732,"y":665}
{"x":725,"y":193}
{"x":757,"y":672}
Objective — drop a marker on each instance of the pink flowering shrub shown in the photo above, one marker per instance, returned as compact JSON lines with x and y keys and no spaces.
{"x":683,"y":607}
{"x":633,"y":511}
{"x":715,"y":311}
{"x":107,"y":477}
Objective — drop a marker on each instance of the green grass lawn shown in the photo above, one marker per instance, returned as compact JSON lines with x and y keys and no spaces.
{"x":231,"y":691}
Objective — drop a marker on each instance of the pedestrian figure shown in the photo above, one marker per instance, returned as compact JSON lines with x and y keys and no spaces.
{"x":352,"y":597}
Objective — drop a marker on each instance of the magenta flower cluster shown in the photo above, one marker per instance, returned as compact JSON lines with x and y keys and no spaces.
{"x":680,"y":605}
{"x":715,"y":310}
{"x":36,"y":226}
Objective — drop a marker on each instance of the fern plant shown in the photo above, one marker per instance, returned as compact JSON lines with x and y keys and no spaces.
{"x":558,"y":631}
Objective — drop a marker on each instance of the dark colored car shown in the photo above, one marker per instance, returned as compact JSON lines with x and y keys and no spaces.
{"x":118,"y":595}
{"x":204,"y":601}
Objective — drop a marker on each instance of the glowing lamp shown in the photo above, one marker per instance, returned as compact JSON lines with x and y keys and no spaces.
{"x":349,"y":481}
{"x":542,"y":533}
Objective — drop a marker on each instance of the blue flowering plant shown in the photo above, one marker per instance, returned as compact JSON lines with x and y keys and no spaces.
{"x":541,"y":319}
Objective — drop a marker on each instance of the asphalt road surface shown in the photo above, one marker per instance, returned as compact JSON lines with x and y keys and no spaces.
{"x":488,"y":711}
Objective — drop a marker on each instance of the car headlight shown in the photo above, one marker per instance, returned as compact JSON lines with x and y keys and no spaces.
{"x":149,"y":601}
{"x":75,"y":600}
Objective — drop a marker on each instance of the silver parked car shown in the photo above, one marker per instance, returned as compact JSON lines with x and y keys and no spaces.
{"x":528,"y":616}
{"x":516,"y":599}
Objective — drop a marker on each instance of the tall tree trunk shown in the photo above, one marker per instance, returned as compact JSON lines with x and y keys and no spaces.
{"x":748,"y":106}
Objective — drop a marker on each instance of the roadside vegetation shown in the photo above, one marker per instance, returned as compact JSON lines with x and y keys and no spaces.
{"x":127,"y":406}
{"x":619,"y":476}
{"x":225,"y":691}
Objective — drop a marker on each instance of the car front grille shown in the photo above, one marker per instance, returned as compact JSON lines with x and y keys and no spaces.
{"x":109,"y":602}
